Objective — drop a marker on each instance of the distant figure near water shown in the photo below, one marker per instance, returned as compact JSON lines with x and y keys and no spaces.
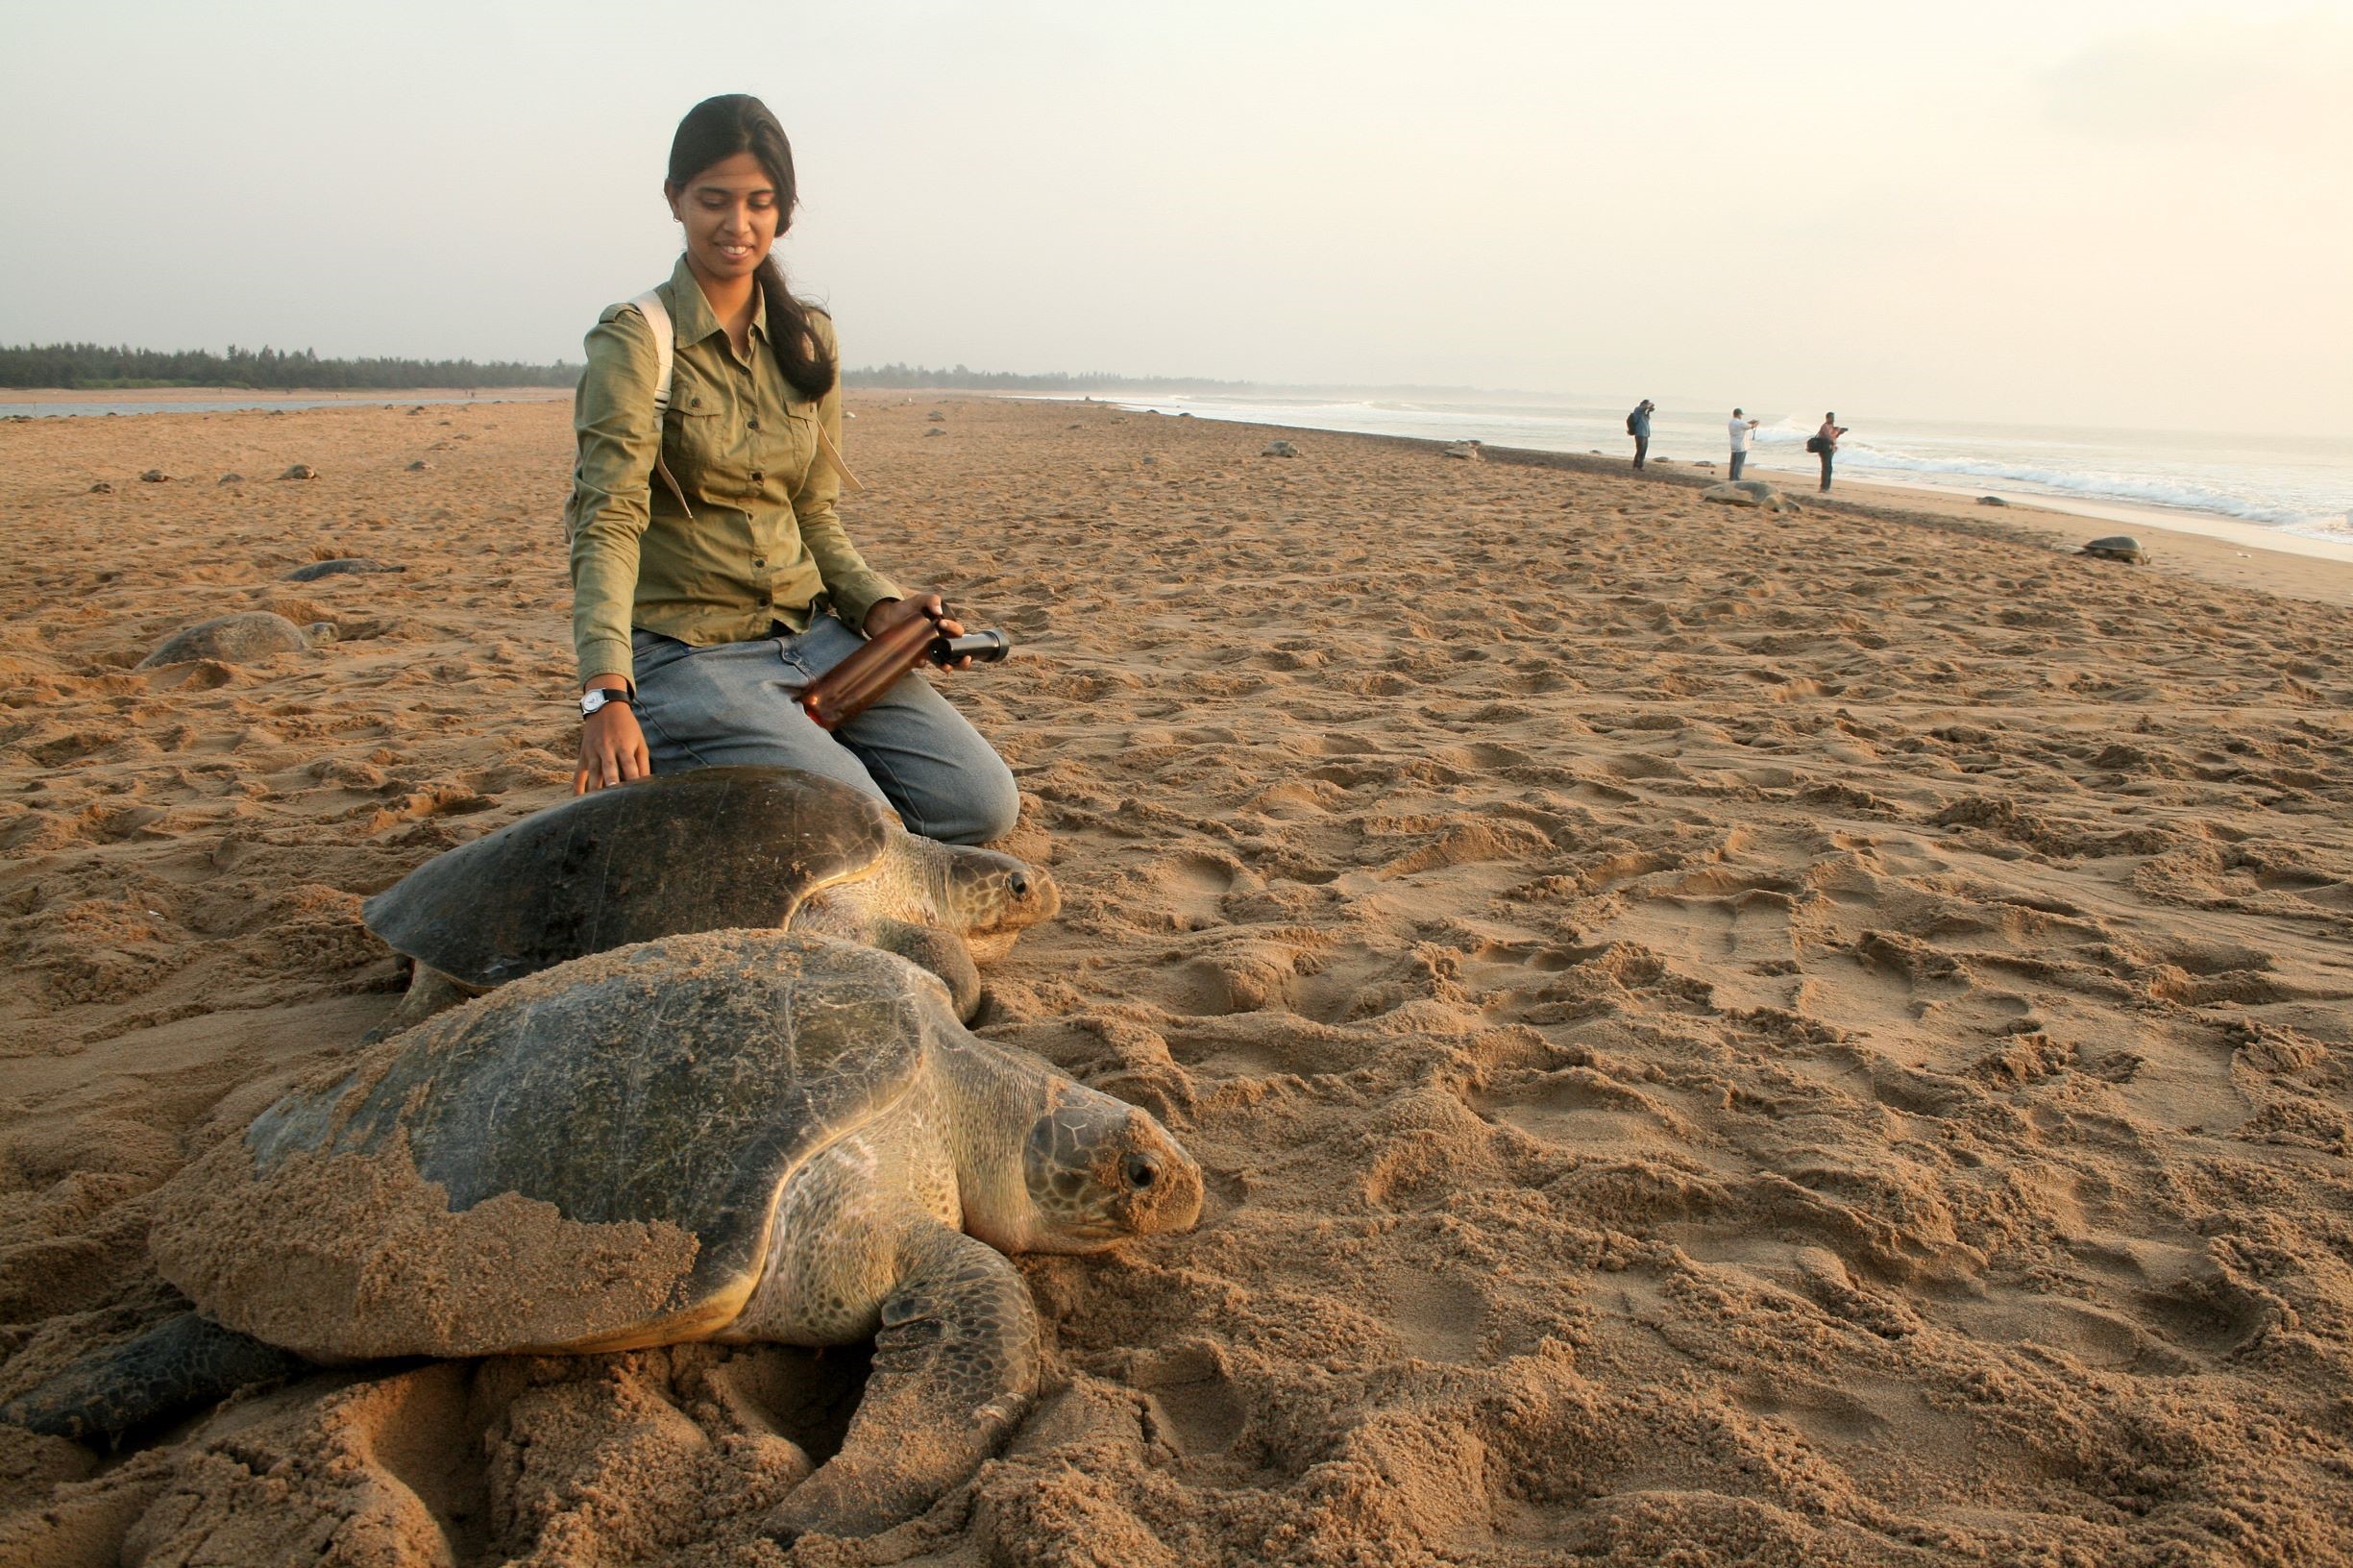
{"x":1824,"y":444}
{"x":1638,"y":426}
{"x":1741,"y":430}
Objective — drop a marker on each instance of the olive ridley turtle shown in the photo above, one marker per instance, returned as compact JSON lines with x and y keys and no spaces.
{"x":701,"y":851}
{"x":1749,"y":493}
{"x":732,"y":1136}
{"x":337,"y":566}
{"x":238,"y":639}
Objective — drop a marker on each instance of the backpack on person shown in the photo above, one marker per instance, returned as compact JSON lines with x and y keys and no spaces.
{"x":1816,"y":444}
{"x":1629,"y":422}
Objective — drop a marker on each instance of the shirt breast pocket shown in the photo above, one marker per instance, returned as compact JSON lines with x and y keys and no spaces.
{"x":802,"y":427}
{"x":698,"y":442}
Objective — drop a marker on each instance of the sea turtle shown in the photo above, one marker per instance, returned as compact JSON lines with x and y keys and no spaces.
{"x":1748,"y":492}
{"x":699,"y":851}
{"x":237,"y":639}
{"x":2116,"y":547}
{"x":729,"y":1136}
{"x":340,"y":565}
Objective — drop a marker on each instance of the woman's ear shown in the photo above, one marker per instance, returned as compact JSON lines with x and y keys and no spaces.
{"x":671,"y":194}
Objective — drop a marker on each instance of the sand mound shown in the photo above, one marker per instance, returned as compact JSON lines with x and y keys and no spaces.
{"x":1713,"y":1039}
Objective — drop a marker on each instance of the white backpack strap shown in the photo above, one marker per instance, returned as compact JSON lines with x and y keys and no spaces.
{"x":665,"y":344}
{"x":649,"y":305}
{"x":834,"y":453}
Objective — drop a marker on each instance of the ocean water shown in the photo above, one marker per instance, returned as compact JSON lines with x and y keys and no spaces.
{"x":2293,"y":485}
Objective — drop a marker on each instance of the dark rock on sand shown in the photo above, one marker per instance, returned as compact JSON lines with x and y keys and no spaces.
{"x":340,"y":565}
{"x":233,"y":639}
{"x":155,"y":476}
{"x":1992,"y":501}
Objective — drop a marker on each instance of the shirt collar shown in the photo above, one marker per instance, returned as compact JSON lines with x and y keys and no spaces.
{"x":691,"y":313}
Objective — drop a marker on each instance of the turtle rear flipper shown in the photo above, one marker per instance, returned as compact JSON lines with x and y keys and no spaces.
{"x":955,"y":1366}
{"x":181,"y":1363}
{"x":429,"y":991}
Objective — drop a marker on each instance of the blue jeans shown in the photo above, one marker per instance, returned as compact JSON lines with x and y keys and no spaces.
{"x":1740,"y":460}
{"x":739,"y":702}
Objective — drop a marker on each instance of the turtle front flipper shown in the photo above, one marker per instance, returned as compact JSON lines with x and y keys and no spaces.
{"x":943,"y":952}
{"x":954,"y":1368}
{"x":181,"y":1363}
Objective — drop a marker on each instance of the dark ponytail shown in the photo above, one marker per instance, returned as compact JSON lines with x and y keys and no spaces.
{"x":720,"y":127}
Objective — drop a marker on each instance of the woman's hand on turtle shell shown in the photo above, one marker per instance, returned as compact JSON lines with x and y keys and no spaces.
{"x":887,"y":613}
{"x":612,"y":749}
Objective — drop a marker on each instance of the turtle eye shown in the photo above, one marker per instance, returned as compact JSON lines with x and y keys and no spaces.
{"x":1019,"y":883}
{"x":1140,"y":1170}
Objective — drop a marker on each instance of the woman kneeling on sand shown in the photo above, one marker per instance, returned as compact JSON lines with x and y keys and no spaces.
{"x":702,"y":604}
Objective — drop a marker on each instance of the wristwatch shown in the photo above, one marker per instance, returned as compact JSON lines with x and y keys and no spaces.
{"x":597,"y":697}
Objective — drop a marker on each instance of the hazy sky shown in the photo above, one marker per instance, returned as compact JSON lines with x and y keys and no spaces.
{"x":2073,"y":210}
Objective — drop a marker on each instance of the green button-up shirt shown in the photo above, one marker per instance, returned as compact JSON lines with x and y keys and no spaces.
{"x":762,"y":542}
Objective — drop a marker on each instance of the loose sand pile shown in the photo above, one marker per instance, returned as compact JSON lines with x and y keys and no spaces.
{"x":1715,"y":1037}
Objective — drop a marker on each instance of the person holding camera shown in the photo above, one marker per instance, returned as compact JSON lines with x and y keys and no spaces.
{"x":704,"y":603}
{"x":1638,"y":426}
{"x":1743,"y":432}
{"x":1824,"y":444}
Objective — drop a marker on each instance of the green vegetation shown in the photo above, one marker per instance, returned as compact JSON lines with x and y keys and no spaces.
{"x":90,"y":365}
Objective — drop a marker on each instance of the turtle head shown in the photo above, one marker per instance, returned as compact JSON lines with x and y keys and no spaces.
{"x":1099,"y":1170}
{"x":990,"y":894}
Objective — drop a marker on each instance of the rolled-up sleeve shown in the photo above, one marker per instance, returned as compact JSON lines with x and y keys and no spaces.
{"x":620,"y":438}
{"x":854,"y":586}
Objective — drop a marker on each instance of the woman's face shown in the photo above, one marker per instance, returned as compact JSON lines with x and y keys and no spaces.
{"x":729,"y":213}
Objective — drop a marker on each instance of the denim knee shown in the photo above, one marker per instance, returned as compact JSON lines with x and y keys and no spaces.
{"x":989,"y":803}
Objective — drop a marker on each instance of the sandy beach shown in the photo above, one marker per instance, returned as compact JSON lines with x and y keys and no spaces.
{"x":1715,"y":1037}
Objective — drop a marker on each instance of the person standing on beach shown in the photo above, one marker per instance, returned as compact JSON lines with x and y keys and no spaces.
{"x":1825,"y":445}
{"x":704,"y":603}
{"x":1638,"y":426}
{"x":1742,"y":429}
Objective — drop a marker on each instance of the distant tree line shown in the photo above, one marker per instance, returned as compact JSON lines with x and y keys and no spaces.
{"x":1005,"y":381}
{"x":92,"y":366}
